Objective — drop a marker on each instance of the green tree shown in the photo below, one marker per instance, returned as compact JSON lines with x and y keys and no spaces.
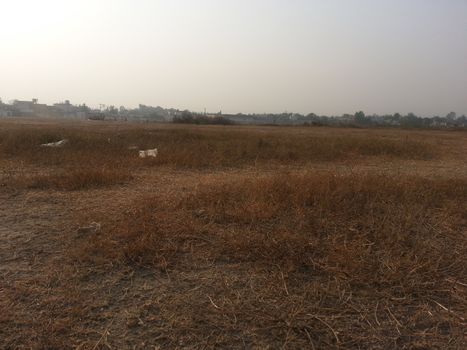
{"x":451,"y":116}
{"x":360,"y":117}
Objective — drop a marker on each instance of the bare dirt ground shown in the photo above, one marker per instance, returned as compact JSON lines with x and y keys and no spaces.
{"x":47,"y":301}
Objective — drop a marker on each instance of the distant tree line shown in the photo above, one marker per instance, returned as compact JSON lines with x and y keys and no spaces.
{"x":411,"y":120}
{"x":353,"y":120}
{"x":187,"y":117}
{"x":159,"y":114}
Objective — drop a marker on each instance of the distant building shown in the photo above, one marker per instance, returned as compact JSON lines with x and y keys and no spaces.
{"x":42,"y":110}
{"x":24,"y":107}
{"x":30,"y":108}
{"x":67,"y":109}
{"x":6,"y":110}
{"x":96,"y":115}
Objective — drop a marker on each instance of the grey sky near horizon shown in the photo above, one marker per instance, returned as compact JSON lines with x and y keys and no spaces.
{"x":253,"y":56}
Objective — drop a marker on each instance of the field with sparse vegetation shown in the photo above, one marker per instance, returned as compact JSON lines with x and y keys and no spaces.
{"x":241,"y":237}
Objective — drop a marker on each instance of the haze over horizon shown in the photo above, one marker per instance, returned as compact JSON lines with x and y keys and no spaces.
{"x":328,"y":57}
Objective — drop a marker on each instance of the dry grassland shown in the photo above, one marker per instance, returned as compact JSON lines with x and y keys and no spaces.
{"x":234,"y":237}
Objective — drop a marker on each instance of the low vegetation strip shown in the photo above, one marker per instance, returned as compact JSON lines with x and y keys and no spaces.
{"x":68,"y":180}
{"x":199,"y":148}
{"x":336,"y":260}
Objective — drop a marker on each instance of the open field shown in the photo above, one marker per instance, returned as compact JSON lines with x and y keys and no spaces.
{"x":233,"y":237}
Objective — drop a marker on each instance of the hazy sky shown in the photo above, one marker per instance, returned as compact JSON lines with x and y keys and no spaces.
{"x":321,"y":56}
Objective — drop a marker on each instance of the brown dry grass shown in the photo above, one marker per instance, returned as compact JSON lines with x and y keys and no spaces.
{"x":202,"y":250}
{"x":197,"y":148}
{"x":94,"y":158}
{"x":69,"y":180}
{"x":344,"y":246}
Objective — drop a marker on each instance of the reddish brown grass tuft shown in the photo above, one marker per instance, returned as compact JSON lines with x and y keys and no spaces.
{"x":292,"y":218}
{"x":200,"y":148}
{"x":341,"y":245}
{"x":70,"y":180}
